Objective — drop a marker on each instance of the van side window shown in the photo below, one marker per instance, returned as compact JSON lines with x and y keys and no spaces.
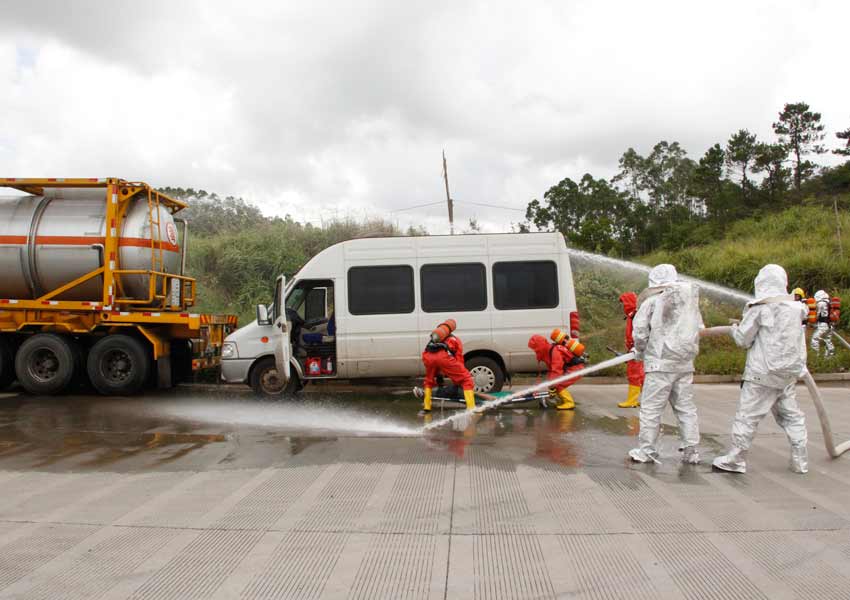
{"x":531,"y":284}
{"x":383,"y":290}
{"x":453,"y":287}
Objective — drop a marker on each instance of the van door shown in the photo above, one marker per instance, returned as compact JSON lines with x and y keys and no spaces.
{"x":381,"y":327}
{"x":283,"y":346}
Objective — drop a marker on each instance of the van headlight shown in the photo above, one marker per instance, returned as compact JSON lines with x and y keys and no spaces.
{"x":228,"y":350}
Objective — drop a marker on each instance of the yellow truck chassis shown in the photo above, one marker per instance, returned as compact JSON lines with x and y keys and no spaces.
{"x":162,"y":318}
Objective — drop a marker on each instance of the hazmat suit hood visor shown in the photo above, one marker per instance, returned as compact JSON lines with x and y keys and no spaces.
{"x":540,"y":346}
{"x":770,"y":282}
{"x":663,"y":274}
{"x":629,"y":301}
{"x":821,"y":295}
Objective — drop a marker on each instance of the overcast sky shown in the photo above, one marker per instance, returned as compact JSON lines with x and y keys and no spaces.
{"x":323,"y":109}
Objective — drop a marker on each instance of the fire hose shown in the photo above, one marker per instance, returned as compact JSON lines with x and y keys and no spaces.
{"x":825,"y":426}
{"x":832,"y":449}
{"x":495,"y":402}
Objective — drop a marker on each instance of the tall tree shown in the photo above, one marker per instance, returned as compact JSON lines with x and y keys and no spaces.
{"x":632,"y":173}
{"x":770,"y":160}
{"x":667,"y":173}
{"x":843,"y":135}
{"x":800,"y":130}
{"x":591,"y":214}
{"x":740,"y":153}
{"x":707,"y":179}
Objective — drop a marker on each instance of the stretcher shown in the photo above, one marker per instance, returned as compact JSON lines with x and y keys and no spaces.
{"x":526,"y":401}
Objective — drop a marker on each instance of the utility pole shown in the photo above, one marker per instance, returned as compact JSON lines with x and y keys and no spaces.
{"x":448,"y":196}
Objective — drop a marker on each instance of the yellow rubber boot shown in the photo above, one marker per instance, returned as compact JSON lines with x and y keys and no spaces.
{"x":567,"y":402}
{"x":632,"y":399}
{"x":426,"y":401}
{"x":469,"y":396}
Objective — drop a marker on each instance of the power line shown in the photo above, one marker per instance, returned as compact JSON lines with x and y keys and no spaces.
{"x":491,"y":205}
{"x":417,"y":206}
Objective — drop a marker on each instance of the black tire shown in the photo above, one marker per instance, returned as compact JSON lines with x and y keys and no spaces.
{"x":265,"y":383}
{"x":486,"y":373}
{"x":7,"y":364}
{"x":118,"y":365}
{"x":47,"y":363}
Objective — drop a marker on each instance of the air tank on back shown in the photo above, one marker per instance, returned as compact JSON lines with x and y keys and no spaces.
{"x":50,"y":240}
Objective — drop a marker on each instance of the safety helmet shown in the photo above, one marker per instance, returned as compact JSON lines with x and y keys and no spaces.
{"x":799,"y":292}
{"x":443,"y":331}
{"x":558,"y":336}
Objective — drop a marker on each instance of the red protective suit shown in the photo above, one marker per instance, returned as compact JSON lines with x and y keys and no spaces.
{"x":557,"y":359}
{"x":450,"y":365}
{"x":634,"y":368}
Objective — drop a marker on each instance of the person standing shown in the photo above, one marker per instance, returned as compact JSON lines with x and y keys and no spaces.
{"x":444,"y":354}
{"x":823,"y":329}
{"x":800,"y":296}
{"x":776,"y":358}
{"x":666,"y":336}
{"x":560,"y":358}
{"x":634,"y":368}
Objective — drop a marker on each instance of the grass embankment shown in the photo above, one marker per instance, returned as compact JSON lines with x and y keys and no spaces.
{"x":802,"y":239}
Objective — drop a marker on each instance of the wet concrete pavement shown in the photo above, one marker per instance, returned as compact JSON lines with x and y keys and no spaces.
{"x":213,"y":495}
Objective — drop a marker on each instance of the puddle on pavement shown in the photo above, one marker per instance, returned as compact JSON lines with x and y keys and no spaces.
{"x":223,"y":431}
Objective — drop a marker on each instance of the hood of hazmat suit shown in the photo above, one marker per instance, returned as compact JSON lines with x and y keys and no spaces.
{"x":667,"y":324}
{"x":629,"y":300}
{"x":770,"y":330}
{"x":662,"y":275}
{"x":540,"y":346}
{"x":821,"y":295}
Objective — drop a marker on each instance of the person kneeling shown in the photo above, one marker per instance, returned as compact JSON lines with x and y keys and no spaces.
{"x":564,"y":356}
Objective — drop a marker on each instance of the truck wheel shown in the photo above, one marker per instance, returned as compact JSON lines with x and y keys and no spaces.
{"x":46,"y":363}
{"x":266,"y":383}
{"x":7,"y":365}
{"x":487,"y":375}
{"x":118,"y":365}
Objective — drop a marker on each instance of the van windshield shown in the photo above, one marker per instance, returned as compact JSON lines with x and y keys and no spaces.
{"x":295,"y":298}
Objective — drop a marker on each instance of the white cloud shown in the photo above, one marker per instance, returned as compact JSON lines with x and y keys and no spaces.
{"x":343,"y":109}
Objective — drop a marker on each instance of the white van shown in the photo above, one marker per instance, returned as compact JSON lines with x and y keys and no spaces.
{"x":365,"y":308}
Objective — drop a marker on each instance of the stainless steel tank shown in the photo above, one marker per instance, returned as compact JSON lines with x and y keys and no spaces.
{"x":48,"y":241}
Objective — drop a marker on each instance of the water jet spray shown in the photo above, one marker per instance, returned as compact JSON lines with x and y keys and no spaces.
{"x":712,"y":288}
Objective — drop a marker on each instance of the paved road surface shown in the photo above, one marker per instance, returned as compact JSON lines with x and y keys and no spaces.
{"x":171,"y":497}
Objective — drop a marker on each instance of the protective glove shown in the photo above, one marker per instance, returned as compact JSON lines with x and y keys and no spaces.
{"x":553,"y":393}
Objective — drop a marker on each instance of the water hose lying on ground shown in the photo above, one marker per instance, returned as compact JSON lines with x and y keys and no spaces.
{"x":831,"y":449}
{"x":531,"y":389}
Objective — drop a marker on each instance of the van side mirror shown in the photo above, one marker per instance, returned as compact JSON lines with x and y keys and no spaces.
{"x":263,"y":315}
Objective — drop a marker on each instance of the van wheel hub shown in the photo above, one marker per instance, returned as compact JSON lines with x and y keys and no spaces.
{"x":483,"y":378}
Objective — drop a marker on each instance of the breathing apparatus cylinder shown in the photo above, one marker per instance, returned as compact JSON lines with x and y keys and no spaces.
{"x":443,"y":330}
{"x":812,"y":305}
{"x":834,"y":309}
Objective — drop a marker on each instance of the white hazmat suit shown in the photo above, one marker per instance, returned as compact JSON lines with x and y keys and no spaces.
{"x":823,"y":329}
{"x":666,"y":332}
{"x":776,"y":358}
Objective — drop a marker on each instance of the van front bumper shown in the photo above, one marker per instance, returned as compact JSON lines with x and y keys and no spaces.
{"x":235,"y":370}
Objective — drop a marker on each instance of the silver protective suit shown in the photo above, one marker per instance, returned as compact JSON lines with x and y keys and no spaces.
{"x":776,"y":358}
{"x":666,"y":333}
{"x":823,"y":329}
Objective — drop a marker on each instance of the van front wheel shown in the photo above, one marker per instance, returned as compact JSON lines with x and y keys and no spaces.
{"x":267,"y":384}
{"x":487,"y":375}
